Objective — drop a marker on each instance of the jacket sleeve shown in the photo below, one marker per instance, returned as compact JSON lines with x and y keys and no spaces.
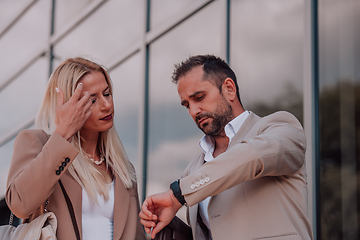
{"x":37,"y":164}
{"x":277,"y":148}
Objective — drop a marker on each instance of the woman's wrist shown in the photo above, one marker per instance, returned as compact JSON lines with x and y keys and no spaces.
{"x":63,"y":134}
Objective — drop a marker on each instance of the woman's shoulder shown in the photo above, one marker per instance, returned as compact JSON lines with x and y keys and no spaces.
{"x":33,"y":135}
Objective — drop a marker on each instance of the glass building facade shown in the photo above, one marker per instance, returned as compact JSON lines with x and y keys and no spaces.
{"x":301,"y":56}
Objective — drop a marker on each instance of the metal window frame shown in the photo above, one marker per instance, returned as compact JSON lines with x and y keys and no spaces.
{"x":311,"y":110}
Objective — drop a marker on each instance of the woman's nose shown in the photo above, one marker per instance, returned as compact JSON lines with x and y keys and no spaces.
{"x":106,"y":104}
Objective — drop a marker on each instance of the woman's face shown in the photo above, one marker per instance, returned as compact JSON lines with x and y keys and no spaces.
{"x":102,"y":107}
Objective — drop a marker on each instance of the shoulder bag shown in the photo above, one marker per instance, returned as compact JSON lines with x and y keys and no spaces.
{"x":43,"y":227}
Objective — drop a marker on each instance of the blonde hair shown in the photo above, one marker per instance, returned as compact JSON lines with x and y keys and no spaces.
{"x":66,"y":77}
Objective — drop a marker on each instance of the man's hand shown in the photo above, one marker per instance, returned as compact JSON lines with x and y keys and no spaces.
{"x":158,"y":210}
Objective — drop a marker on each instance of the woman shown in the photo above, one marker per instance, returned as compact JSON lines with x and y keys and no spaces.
{"x":78,"y":144}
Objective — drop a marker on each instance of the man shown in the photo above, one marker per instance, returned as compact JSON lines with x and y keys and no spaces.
{"x":250,"y":180}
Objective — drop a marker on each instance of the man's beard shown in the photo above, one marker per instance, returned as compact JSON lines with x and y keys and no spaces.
{"x":222,"y":116}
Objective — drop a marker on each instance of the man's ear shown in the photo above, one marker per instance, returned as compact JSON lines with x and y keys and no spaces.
{"x":229,"y":89}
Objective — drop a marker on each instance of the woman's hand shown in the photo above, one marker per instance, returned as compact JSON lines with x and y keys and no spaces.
{"x":71,"y":116}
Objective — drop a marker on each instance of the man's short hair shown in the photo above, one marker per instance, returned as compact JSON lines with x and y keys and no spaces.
{"x":216,"y":70}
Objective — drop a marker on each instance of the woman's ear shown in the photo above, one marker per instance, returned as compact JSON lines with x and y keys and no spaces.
{"x":229,"y":89}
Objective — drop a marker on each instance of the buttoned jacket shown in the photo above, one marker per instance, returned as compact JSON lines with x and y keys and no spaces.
{"x":38,"y":162}
{"x":258,"y":185}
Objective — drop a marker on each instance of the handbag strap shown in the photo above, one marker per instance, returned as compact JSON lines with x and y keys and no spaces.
{"x":11,"y":219}
{"x":71,"y":210}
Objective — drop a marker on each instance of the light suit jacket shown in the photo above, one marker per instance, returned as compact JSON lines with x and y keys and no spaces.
{"x":258,"y":186}
{"x":32,"y":179}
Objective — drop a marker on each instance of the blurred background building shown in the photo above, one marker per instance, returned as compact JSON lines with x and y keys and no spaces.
{"x":302,"y":56}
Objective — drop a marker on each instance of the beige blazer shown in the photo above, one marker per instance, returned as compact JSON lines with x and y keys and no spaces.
{"x":32,"y":179}
{"x":258,"y":186}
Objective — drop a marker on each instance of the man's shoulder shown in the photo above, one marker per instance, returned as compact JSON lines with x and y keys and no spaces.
{"x":280,"y":116}
{"x":278,"y":119}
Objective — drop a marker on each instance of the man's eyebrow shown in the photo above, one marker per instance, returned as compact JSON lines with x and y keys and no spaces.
{"x":183,"y":102}
{"x":196,"y":93}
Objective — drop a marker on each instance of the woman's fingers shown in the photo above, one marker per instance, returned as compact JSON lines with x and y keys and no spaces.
{"x":77,"y":94}
{"x":60,"y":97}
{"x":86,"y":104}
{"x":85,"y":99}
{"x":71,"y":116}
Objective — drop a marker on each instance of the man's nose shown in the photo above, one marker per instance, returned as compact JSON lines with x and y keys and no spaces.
{"x":194,"y":110}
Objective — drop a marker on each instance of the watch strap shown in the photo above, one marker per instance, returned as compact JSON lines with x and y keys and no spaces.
{"x":175,"y":187}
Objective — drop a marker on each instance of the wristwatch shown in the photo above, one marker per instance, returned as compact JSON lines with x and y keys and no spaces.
{"x":175,"y":187}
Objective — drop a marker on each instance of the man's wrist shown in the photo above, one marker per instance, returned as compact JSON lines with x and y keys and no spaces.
{"x":175,"y":188}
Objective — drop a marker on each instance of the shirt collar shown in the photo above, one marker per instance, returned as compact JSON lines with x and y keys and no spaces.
{"x":234,"y":125}
{"x":207,"y":142}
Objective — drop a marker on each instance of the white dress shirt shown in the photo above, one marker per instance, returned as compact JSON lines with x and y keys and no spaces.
{"x":207,"y":145}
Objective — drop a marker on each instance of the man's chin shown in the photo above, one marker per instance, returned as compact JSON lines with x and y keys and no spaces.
{"x":206,"y":130}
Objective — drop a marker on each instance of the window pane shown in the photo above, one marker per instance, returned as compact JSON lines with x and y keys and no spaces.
{"x":173,"y":136}
{"x":67,"y":10}
{"x":21,"y":99}
{"x":8,"y":9}
{"x":29,"y":33}
{"x":112,"y":27}
{"x":339,"y":102}
{"x":162,"y":10}
{"x":127,"y":81}
{"x":267,"y":54}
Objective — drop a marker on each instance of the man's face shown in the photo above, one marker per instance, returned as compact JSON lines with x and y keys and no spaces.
{"x":206,"y":105}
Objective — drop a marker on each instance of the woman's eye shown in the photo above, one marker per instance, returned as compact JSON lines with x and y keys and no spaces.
{"x":93,"y":100}
{"x":107,"y":94}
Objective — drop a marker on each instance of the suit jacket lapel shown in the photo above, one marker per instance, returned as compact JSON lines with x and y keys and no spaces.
{"x":121,"y":207}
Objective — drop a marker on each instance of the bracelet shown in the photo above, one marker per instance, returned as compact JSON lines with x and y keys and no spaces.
{"x":175,"y":187}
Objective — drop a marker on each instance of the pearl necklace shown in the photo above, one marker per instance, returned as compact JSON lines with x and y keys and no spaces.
{"x":102,"y":158}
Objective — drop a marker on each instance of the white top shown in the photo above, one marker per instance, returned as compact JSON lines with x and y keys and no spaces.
{"x":207,"y":146}
{"x":97,"y":219}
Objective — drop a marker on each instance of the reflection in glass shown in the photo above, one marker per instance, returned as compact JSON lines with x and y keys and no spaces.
{"x":267,"y":54}
{"x":29,"y":33}
{"x":339,"y":103}
{"x":21,"y":99}
{"x":127,"y":80}
{"x":173,"y":136}
{"x":112,"y":27}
